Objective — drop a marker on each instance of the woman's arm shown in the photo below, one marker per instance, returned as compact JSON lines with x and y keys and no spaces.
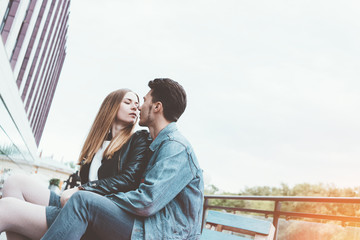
{"x":129,"y":177}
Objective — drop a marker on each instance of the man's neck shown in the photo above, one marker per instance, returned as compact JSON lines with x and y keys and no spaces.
{"x":157,"y":127}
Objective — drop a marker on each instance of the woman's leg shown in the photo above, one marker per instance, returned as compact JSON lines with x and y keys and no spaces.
{"x":25,"y":188}
{"x":22,"y":218}
{"x":86,"y":209}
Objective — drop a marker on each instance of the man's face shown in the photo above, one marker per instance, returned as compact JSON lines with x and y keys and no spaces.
{"x":146,"y":116}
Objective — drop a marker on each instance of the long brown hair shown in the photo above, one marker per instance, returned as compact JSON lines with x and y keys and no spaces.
{"x":102,"y":125}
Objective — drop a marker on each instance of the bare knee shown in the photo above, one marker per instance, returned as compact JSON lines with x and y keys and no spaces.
{"x":13,"y":184}
{"x":21,"y":217}
{"x":5,"y":209}
{"x":5,"y":202}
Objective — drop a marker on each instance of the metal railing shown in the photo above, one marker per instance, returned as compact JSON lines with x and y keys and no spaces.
{"x":277,"y":212}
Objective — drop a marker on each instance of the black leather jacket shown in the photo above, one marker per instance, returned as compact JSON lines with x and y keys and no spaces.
{"x":123,"y":171}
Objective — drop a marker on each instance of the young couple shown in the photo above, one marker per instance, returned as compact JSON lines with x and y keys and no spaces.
{"x":133,"y":186}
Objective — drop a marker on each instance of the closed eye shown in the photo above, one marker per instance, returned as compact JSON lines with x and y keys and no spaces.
{"x":129,"y":101}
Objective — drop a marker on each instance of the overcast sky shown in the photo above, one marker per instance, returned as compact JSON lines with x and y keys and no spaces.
{"x":273,"y":86}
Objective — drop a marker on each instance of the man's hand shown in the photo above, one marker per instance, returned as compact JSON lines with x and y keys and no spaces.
{"x":65,"y":196}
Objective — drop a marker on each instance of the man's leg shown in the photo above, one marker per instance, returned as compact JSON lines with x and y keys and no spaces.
{"x":86,"y":209}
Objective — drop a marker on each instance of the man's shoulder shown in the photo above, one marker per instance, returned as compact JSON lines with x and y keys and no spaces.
{"x":176,"y":138}
{"x":170,"y":137}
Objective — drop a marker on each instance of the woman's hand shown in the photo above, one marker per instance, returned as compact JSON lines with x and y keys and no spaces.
{"x":66,"y":195}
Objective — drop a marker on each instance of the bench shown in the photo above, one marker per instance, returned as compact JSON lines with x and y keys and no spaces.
{"x":256,"y":228}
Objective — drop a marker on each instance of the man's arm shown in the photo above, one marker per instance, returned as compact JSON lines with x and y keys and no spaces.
{"x":169,"y":175}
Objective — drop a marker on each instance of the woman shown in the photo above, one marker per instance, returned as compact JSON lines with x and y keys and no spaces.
{"x":112,"y":159}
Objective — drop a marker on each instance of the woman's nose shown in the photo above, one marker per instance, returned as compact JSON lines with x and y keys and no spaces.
{"x":135,"y":107}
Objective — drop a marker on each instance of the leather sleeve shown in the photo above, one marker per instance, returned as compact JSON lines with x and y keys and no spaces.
{"x":129,"y":177}
{"x":84,"y":173}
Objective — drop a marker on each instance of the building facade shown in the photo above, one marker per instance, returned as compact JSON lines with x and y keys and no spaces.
{"x":32,"y":52}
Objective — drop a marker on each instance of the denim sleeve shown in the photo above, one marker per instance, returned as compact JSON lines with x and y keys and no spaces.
{"x":165,"y":179}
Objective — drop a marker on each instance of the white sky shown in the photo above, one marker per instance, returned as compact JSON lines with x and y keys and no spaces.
{"x":273,"y":86}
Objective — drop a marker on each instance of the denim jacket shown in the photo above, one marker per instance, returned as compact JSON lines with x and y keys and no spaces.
{"x":169,"y":202}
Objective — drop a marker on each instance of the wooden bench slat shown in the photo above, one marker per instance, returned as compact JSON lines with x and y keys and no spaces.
{"x":214,"y":235}
{"x":236,"y":221}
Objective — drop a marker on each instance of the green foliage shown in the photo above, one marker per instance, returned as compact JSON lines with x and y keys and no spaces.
{"x":211,"y":189}
{"x":304,"y":189}
{"x":9,"y":149}
{"x":71,"y":165}
{"x":55,"y":182}
{"x":299,"y":228}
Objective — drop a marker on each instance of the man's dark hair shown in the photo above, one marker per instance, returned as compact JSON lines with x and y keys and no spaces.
{"x":172,"y":96}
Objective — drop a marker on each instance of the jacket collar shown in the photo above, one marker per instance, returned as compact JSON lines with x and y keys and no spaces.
{"x":162,"y":136}
{"x":109,"y":136}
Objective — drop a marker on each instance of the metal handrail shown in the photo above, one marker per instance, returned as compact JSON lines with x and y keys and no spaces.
{"x":276,"y":213}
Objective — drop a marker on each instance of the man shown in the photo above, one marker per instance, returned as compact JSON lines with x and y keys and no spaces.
{"x":168,"y":202}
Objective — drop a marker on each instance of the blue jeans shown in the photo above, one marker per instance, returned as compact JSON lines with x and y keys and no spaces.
{"x":95,"y":212}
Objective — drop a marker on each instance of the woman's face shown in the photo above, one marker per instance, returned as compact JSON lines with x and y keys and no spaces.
{"x":128,"y":111}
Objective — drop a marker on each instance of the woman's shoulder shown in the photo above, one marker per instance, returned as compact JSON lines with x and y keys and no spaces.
{"x":142,"y":132}
{"x":141,"y":135}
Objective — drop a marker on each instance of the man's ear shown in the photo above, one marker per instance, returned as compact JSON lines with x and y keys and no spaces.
{"x":158,"y":107}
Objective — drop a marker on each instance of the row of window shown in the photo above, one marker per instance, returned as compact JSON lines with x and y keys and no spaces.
{"x":34,"y":35}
